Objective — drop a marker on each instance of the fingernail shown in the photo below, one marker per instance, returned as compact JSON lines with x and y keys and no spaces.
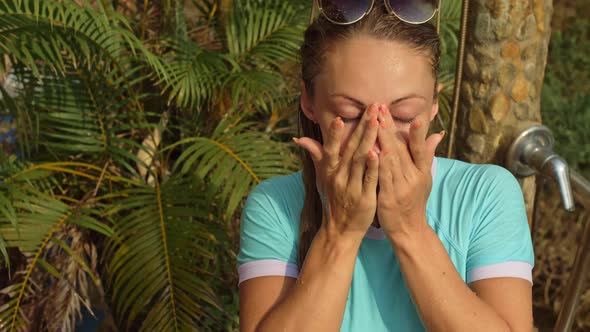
{"x":372,"y":155}
{"x":443,"y":133}
{"x":339,"y":122}
{"x":374,"y":123}
{"x":296,"y":140}
{"x":372,"y":111}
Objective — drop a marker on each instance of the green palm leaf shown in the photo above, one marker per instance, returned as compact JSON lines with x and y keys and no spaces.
{"x":252,"y":90}
{"x":156,"y":278}
{"x":31,"y":217}
{"x":264,"y":33}
{"x":449,"y":37}
{"x":449,"y":34}
{"x":82,"y":73}
{"x":58,"y":33}
{"x":195,"y":74}
{"x":39,"y":218}
{"x":90,"y":114}
{"x":235,"y":159}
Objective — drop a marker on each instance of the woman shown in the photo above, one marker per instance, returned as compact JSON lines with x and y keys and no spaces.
{"x":376,"y":234}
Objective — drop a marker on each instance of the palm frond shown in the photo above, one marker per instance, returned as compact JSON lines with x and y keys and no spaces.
{"x":40,"y":218}
{"x":51,"y":33}
{"x":449,"y":36}
{"x":155,"y":273}
{"x":266,"y":33}
{"x":451,"y":11}
{"x":252,"y":90}
{"x":31,"y":220}
{"x":235,"y":159}
{"x":70,"y":289}
{"x":195,"y":75}
{"x":86,"y":114}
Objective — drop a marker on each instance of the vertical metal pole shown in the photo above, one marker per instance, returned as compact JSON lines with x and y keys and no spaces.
{"x":458,"y":79}
{"x":579,"y":276}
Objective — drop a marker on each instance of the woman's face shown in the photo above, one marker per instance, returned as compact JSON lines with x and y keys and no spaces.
{"x":362,"y":71}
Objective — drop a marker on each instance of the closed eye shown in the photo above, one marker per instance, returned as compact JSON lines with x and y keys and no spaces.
{"x":347,"y":120}
{"x":400,"y":120}
{"x":405,"y":121}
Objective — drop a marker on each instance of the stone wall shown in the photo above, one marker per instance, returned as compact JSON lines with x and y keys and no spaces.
{"x":502,"y":79}
{"x":505,"y":58}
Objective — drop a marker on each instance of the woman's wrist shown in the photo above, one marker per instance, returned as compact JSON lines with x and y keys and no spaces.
{"x":409,"y":234}
{"x":335,"y":240}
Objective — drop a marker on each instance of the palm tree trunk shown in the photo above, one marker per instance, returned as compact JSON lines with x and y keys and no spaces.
{"x":505,"y":58}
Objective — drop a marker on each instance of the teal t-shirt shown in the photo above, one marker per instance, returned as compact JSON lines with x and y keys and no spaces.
{"x":477,"y":211}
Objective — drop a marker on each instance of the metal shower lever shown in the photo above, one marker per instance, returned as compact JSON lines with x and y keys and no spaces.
{"x":532,"y":152}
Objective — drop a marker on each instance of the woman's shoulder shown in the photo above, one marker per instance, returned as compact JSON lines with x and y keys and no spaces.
{"x":281,"y":196}
{"x":283,"y":185}
{"x":477,"y":204}
{"x":457,"y":171}
{"x":465,"y":185}
{"x":269,"y":222}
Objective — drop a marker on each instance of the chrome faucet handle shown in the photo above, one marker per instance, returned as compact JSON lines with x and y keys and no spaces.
{"x":532,"y":152}
{"x":561,"y":174}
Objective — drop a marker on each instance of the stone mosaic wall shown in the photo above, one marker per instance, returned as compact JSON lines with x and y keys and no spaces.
{"x":504,"y":65}
{"x":505,"y":58}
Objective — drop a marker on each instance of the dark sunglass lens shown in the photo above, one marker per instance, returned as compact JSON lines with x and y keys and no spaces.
{"x":413,"y":11}
{"x":344,"y":11}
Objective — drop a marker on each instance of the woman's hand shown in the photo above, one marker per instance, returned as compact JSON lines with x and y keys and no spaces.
{"x":405,"y":178}
{"x":347,"y":184}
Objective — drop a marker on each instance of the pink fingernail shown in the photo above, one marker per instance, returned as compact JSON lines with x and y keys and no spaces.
{"x":296,"y":140}
{"x":374,"y":123}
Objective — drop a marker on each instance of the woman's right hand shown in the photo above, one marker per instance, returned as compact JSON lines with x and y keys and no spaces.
{"x":347,"y":184}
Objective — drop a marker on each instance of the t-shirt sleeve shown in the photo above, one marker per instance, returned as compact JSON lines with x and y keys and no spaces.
{"x":267,"y":241}
{"x":500,"y":242}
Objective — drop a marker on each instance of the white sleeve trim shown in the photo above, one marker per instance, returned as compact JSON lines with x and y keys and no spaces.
{"x":266,"y":267}
{"x":512,"y":269}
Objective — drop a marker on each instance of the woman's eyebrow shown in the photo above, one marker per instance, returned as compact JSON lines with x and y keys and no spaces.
{"x":410,"y":96}
{"x":364,"y":106}
{"x":355,"y":101}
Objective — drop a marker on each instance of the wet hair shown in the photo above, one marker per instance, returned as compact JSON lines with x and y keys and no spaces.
{"x":319,"y":38}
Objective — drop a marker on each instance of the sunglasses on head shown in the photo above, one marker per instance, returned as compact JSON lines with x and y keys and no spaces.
{"x":350,"y":11}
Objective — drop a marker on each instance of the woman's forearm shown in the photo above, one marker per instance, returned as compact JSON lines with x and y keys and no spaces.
{"x":444,"y":301}
{"x":317,"y":300}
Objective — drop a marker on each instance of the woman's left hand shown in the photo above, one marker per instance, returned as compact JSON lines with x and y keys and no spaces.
{"x":405,"y":178}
